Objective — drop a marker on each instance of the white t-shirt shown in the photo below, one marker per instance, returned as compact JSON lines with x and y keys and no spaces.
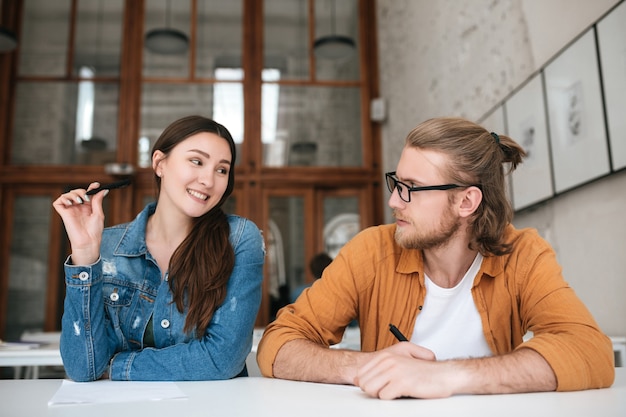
{"x":449,"y":323}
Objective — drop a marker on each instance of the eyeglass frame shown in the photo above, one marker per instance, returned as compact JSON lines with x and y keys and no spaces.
{"x":397,"y":183}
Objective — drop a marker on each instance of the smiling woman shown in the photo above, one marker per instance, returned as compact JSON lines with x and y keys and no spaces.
{"x":183,"y":250}
{"x":202,"y":164}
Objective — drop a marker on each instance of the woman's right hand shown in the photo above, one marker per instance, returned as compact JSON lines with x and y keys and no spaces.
{"x":83,"y":218}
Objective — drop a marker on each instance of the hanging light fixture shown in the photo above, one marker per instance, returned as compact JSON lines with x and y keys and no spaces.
{"x":166,"y":41}
{"x":333,"y":46}
{"x":8,"y":40}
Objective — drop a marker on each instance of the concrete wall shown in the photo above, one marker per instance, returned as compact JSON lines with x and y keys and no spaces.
{"x":452,"y":58}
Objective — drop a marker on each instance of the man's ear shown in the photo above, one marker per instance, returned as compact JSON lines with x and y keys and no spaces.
{"x":471,"y":199}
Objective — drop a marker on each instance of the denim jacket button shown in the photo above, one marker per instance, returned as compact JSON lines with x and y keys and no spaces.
{"x":114,"y":296}
{"x":165,"y":323}
{"x":83,"y":276}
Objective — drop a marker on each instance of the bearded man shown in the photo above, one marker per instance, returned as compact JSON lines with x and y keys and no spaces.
{"x":455,"y":277}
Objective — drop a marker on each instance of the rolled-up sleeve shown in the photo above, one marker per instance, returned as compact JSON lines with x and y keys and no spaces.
{"x":564,"y":330}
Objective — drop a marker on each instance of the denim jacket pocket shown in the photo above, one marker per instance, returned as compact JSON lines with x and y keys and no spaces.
{"x":117,"y":300}
{"x":117,"y":296}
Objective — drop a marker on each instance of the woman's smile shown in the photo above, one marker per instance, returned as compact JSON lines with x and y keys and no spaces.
{"x":197,"y":194}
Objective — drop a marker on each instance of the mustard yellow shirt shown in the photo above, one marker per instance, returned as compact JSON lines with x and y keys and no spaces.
{"x":378,"y":282}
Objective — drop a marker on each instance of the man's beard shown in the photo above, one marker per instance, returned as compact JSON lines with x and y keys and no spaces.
{"x":414,"y":239}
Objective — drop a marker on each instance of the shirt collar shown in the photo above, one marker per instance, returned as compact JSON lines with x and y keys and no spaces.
{"x":133,"y":240}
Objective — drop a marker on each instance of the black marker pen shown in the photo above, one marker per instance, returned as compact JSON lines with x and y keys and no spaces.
{"x":397,"y":333}
{"x":110,"y":186}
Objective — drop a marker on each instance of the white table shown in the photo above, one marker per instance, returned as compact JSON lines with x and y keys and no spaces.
{"x":260,"y":397}
{"x":45,"y":355}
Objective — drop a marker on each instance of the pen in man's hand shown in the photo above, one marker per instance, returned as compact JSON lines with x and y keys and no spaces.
{"x":397,"y":333}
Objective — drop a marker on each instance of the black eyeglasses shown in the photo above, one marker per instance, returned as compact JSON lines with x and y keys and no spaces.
{"x":405,"y":190}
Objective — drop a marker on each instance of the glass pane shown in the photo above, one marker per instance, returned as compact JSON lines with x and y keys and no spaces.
{"x":164,"y":103}
{"x":286,"y":37}
{"x":166,"y":40}
{"x":28,"y":266}
{"x":228,"y":101}
{"x":311,"y":126}
{"x":64,"y":123}
{"x":285,"y":249}
{"x":336,"y":39}
{"x":44,"y":38}
{"x":219,"y":36}
{"x":341,"y":222}
{"x":98,"y":36}
{"x":147,"y":200}
{"x":161,"y":104}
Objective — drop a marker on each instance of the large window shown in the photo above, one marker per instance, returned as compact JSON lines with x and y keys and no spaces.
{"x":88,"y":93}
{"x":65,"y":108}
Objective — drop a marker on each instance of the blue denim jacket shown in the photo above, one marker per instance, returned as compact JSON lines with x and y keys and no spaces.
{"x":108,"y":306}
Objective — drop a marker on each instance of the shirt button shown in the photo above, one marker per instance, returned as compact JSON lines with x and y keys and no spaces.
{"x":83,"y":276}
{"x":165,"y":323}
{"x":114,"y":296}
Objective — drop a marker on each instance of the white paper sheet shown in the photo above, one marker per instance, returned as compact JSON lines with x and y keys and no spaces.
{"x":105,"y":391}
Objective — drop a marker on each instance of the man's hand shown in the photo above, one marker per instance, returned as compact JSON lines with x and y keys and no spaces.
{"x":402,"y":370}
{"x":406,"y":371}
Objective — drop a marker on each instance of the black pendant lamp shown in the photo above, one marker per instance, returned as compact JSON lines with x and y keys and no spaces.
{"x":333,"y":46}
{"x":8,"y":40}
{"x":166,"y":41}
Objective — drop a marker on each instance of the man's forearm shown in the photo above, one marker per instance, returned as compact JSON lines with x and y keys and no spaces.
{"x":521,"y":371}
{"x":390,"y":376}
{"x":304,"y":360}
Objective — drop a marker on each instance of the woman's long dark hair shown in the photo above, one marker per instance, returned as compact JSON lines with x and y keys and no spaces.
{"x":200,"y":267}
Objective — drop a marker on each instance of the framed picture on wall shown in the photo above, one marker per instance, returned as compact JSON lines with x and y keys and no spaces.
{"x":576,"y":116}
{"x":531,"y":182}
{"x":611,"y":35}
{"x":494,"y":122}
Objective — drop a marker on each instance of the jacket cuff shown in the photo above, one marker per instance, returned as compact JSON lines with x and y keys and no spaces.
{"x":82,"y":275}
{"x":119,"y":368}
